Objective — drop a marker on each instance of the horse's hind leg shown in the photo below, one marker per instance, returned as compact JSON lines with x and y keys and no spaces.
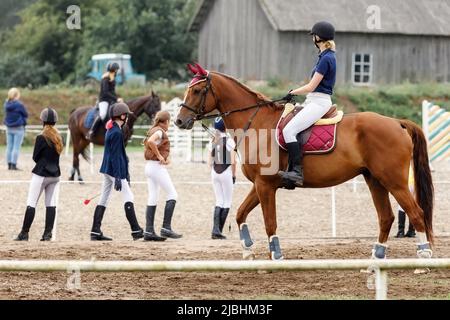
{"x":380,"y":196}
{"x":250,"y":202}
{"x":266,"y":194}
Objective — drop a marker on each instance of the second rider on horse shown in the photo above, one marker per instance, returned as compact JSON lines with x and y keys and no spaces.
{"x":107,"y":97}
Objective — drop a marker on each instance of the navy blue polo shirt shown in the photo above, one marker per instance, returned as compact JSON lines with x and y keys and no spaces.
{"x":326,"y":66}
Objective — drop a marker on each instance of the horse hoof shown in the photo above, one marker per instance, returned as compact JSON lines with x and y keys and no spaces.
{"x":248,"y":254}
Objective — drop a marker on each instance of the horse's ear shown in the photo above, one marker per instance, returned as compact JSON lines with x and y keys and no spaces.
{"x":200,"y":70}
{"x":192,"y":69}
{"x":153,"y":94}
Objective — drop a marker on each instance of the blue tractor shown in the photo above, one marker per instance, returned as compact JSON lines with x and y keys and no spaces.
{"x":126,"y":73}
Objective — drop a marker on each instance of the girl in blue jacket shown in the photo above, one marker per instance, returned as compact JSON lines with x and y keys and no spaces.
{"x":115,"y":170}
{"x":15,"y":121}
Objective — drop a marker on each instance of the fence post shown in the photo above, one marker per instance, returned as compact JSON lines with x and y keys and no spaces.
{"x":91,"y":155}
{"x":67,"y":142}
{"x":55,"y":224}
{"x":333,"y":212}
{"x":381,"y":284}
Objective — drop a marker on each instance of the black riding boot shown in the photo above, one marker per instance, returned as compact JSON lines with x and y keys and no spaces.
{"x":295,"y":175}
{"x":93,"y":128}
{"x":150,"y":234}
{"x":223,"y":218}
{"x":136,"y":230}
{"x":411,"y":231}
{"x":9,"y":166}
{"x":50,"y":215}
{"x":96,"y":233}
{"x":27,"y":222}
{"x":216,"y":232}
{"x":166,"y":230}
{"x":401,"y":224}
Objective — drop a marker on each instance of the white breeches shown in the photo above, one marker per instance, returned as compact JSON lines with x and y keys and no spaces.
{"x":39,"y":184}
{"x":108,"y":185}
{"x":158,"y":177}
{"x":315,"y":107}
{"x":103,"y":109}
{"x":223,"y":187}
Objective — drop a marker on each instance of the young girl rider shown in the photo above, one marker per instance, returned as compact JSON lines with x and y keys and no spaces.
{"x":157,"y":152}
{"x":318,"y":99}
{"x":47,"y":148}
{"x":223,"y":174}
{"x":107,"y":97}
{"x":115,"y":173}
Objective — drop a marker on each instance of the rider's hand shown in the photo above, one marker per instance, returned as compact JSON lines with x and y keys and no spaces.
{"x":162,"y":160}
{"x":289,"y":97}
{"x":120,"y":100}
{"x":118,"y":184}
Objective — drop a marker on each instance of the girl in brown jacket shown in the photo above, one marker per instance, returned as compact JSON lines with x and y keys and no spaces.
{"x":157,"y":151}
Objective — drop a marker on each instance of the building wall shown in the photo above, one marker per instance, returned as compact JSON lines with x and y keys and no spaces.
{"x":238,"y":39}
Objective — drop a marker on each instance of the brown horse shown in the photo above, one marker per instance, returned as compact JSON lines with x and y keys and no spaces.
{"x":378,"y":147}
{"x":149,"y":105}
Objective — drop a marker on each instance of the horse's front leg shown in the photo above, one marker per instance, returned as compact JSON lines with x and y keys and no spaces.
{"x":266,"y":193}
{"x":250,"y":202}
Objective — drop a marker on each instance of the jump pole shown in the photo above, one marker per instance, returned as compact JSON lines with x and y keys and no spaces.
{"x":67,"y":143}
{"x":333,"y":212}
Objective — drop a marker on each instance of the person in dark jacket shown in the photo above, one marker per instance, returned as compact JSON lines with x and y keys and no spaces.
{"x":107,"y":96}
{"x":115,"y":171}
{"x":15,"y":121}
{"x":46,"y":173}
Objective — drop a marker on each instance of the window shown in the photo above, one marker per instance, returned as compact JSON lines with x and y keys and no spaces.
{"x":362,"y":68}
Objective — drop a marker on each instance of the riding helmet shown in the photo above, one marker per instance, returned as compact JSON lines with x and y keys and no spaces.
{"x":119,"y":109}
{"x":324,"y":30}
{"x":113,"y":67}
{"x":49,"y":115}
{"x":219,"y":124}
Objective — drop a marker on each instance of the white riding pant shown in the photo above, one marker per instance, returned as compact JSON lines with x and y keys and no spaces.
{"x":103,"y":109}
{"x":108,"y":185}
{"x":223,"y":187}
{"x":39,"y":184}
{"x":315,"y":107}
{"x":158,"y":177}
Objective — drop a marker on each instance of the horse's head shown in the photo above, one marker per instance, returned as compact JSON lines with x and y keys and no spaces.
{"x":199,"y":98}
{"x":153,"y":105}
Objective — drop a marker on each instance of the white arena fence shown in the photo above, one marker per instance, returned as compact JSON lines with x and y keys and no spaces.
{"x":378,"y":279}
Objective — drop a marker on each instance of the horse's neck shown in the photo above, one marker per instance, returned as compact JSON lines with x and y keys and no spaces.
{"x":137,"y":107}
{"x":236,"y":97}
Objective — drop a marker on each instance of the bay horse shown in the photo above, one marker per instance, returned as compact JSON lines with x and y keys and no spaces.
{"x":378,"y":147}
{"x":149,"y":105}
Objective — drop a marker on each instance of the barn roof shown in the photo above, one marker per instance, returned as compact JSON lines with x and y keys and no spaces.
{"x":415,"y":17}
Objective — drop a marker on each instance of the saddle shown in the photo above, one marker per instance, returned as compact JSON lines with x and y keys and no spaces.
{"x":317,"y":139}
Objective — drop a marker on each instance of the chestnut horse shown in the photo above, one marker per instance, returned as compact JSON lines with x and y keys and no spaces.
{"x":378,"y":147}
{"x":149,"y":105}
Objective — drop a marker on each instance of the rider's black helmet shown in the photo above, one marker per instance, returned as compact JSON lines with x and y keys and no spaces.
{"x":324,"y":30}
{"x":113,"y":67}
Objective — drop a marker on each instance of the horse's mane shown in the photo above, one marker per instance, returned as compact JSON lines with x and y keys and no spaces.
{"x":257,"y":94}
{"x":136,"y":99}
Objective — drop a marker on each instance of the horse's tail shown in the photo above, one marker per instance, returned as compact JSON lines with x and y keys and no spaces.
{"x":424,"y":189}
{"x":85,"y":154}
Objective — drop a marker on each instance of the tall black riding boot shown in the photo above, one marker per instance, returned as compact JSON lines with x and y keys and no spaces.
{"x":411,"y":231}
{"x":150,"y":234}
{"x":50,"y":215}
{"x":223,"y":217}
{"x":9,"y":166}
{"x":216,"y":232}
{"x":166,"y":230}
{"x":93,"y":128}
{"x":136,"y":230}
{"x":401,"y":224}
{"x":295,"y":162}
{"x":96,"y":233}
{"x":27,"y":222}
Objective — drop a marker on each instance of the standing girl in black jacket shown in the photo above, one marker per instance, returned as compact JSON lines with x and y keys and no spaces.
{"x":46,"y":173}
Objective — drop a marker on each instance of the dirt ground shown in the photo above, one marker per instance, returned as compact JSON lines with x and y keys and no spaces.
{"x":304,"y":228}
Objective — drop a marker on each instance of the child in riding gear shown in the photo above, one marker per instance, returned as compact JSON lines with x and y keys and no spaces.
{"x":115,"y":174}
{"x":107,"y":96}
{"x":46,"y":173}
{"x":157,"y":151}
{"x":223,"y":175}
{"x":402,"y":215}
{"x":318,"y":99}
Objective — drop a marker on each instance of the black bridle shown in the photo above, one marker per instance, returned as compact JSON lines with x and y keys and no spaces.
{"x":201,"y":114}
